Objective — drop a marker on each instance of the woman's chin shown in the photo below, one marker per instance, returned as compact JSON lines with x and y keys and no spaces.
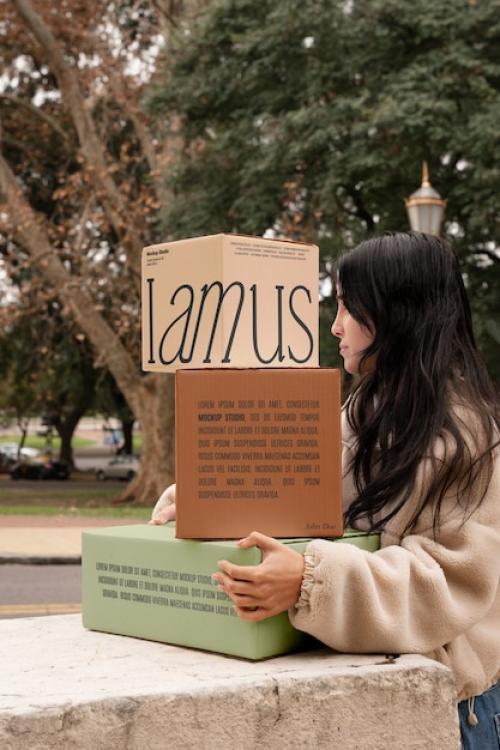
{"x":351,"y":367}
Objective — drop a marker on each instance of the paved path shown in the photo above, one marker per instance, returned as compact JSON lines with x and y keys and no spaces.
{"x":50,"y":537}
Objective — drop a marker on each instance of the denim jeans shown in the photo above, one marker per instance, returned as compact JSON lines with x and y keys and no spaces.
{"x":485,"y":735}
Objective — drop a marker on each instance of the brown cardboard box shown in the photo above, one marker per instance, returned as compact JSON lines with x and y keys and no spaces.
{"x":258,"y":450}
{"x":229,"y":301}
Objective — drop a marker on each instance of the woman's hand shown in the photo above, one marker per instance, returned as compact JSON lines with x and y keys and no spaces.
{"x":264,"y":590}
{"x":164,"y":510}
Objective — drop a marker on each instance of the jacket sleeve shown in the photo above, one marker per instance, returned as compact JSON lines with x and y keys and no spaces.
{"x":410,"y":597}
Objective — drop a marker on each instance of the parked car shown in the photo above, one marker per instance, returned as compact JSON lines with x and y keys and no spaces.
{"x":6,"y":462}
{"x":12,"y":450}
{"x":40,"y":470}
{"x":119,"y":467}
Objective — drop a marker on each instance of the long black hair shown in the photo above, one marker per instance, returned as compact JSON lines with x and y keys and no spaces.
{"x":428,"y":381}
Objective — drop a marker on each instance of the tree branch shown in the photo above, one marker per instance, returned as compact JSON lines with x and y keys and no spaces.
{"x":117,"y":85}
{"x":19,"y":145}
{"x":360,"y":208}
{"x":90,"y":143}
{"x":158,"y":160}
{"x":30,"y":231}
{"x":38,"y":112}
{"x":167,"y":10}
{"x":489,"y":254}
{"x":81,"y":226}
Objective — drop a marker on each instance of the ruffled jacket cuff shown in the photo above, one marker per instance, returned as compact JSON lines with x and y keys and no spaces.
{"x":304,"y":599}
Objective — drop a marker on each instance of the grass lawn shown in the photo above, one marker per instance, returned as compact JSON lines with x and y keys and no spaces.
{"x":38,"y":441}
{"x":38,"y":493}
{"x":140,"y":513}
{"x":80,"y":495}
{"x":68,"y":498}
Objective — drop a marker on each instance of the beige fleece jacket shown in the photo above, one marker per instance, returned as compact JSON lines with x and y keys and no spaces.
{"x":439,"y":597}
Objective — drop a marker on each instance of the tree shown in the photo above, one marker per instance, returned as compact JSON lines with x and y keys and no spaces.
{"x":18,"y":395}
{"x":110,"y":402}
{"x":47,"y":371}
{"x":65,"y":378}
{"x":312,"y":118}
{"x":81,"y":181}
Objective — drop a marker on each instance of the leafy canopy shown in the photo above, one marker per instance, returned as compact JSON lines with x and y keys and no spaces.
{"x":313,"y":117}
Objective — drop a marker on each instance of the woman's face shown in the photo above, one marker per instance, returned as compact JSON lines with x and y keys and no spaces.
{"x":354,"y":337}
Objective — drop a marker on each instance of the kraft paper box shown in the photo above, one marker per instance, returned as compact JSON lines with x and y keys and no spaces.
{"x":140,"y":581}
{"x":229,"y":301}
{"x":258,"y":450}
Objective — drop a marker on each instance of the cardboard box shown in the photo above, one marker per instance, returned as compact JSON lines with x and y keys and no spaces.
{"x":258,"y":450}
{"x":229,"y":301}
{"x":140,"y":581}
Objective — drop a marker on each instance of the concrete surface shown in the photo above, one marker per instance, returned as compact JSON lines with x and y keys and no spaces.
{"x":47,"y":540}
{"x":65,"y":687}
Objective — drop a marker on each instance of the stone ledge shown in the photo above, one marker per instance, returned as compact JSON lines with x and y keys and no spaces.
{"x":63,"y":686}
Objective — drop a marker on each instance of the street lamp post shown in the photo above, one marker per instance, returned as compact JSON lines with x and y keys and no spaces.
{"x":425,"y":207}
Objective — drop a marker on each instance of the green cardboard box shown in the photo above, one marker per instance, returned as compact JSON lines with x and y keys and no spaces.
{"x":141,"y":581}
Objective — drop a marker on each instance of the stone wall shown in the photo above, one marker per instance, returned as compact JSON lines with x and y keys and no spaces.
{"x":63,"y":687}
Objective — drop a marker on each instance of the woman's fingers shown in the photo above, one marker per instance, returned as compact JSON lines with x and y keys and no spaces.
{"x":163,"y":515}
{"x":252,"y":614}
{"x":164,"y":509}
{"x":256,"y":539}
{"x":266,"y":589}
{"x":241,"y":593}
{"x":234,"y":587}
{"x":246,"y":602}
{"x":240,"y":572}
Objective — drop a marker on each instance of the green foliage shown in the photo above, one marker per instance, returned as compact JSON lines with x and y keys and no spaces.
{"x":110,"y":401}
{"x":312,"y":117}
{"x":18,"y":363}
{"x":45,"y":369}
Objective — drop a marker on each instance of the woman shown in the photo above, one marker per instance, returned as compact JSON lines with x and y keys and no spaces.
{"x":421,"y":465}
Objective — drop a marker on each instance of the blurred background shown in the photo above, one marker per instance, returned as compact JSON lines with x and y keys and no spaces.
{"x":131,"y":122}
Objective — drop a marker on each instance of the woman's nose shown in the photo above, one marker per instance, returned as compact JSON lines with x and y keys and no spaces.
{"x":336,"y":328}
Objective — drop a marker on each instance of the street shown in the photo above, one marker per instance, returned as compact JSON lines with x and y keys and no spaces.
{"x":35,"y":590}
{"x":32,"y":590}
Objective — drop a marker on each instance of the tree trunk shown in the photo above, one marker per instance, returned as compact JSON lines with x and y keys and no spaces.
{"x":22,"y":423}
{"x":127,"y":427}
{"x":66,"y":427}
{"x":155,"y":412}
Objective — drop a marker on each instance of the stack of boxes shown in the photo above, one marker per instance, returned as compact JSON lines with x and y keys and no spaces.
{"x":257,"y":442}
